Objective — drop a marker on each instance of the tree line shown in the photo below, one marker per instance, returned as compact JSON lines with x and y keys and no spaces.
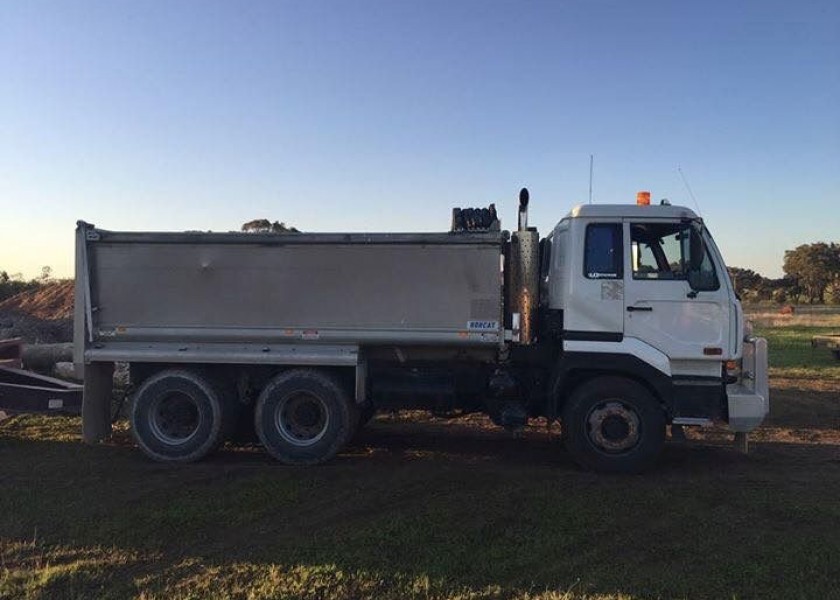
{"x":811,"y":276}
{"x":11,"y":285}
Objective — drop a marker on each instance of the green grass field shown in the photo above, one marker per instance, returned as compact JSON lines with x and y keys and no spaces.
{"x":789,"y":339}
{"x":436,"y":509}
{"x":793,"y":356}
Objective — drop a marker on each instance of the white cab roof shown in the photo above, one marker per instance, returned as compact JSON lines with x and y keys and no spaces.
{"x":630,"y":211}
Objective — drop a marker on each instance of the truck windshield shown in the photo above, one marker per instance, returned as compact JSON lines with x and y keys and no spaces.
{"x":663,"y":251}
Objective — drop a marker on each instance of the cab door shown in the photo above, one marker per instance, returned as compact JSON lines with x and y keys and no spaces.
{"x":674,"y":299}
{"x":593,"y":294}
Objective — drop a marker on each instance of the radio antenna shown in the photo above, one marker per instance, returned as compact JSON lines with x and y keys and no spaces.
{"x":690,"y":193}
{"x":591,"y":166}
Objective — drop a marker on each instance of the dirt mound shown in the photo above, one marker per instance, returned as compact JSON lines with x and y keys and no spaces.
{"x":50,"y":302}
{"x":40,"y":316}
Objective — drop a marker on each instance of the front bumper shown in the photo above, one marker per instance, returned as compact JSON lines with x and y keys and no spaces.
{"x":749,"y":397}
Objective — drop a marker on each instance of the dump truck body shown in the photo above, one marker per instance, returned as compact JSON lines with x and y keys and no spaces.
{"x":267,"y":288}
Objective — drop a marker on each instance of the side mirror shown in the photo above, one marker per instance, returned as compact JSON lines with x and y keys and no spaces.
{"x":699,"y":278}
{"x":697,"y":249}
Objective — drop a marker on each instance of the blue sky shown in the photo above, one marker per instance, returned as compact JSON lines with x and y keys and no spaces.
{"x":363,"y":115}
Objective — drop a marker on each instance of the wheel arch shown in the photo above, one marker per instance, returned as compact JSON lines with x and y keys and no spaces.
{"x":576,"y":368}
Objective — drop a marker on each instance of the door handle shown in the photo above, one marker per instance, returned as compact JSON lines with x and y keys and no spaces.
{"x":639,"y":308}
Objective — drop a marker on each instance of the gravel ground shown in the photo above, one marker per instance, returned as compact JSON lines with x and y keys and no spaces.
{"x":34,"y":330}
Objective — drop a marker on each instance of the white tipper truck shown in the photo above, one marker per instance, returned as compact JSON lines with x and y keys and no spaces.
{"x":619,"y":322}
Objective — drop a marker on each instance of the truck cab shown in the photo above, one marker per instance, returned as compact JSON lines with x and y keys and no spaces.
{"x":642,"y":292}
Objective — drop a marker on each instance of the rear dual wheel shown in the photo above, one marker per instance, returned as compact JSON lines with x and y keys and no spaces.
{"x":180,"y":415}
{"x":613,"y":424}
{"x":304,"y":417}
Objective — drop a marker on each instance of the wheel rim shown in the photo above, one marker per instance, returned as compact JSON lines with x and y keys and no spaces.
{"x":175,"y":418}
{"x":301,"y":418}
{"x":613,"y":427}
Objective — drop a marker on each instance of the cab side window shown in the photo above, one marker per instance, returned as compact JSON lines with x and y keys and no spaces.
{"x":662,"y":251}
{"x":603,"y":255}
{"x":657,"y":251}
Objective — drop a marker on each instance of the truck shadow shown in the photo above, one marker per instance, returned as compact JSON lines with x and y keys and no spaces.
{"x":387,"y":442}
{"x":538,"y":447}
{"x":456,"y":443}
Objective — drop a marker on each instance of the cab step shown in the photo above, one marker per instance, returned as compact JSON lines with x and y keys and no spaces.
{"x":695,"y":421}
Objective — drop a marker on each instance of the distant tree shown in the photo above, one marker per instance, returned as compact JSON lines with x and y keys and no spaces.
{"x":257,"y":226}
{"x":750,"y":285}
{"x":814,"y":267}
{"x":266,"y":226}
{"x":834,"y":292}
{"x":46,"y":273}
{"x":13,"y":284}
{"x":784,"y":289}
{"x":754,"y":287}
{"x":280,"y":227}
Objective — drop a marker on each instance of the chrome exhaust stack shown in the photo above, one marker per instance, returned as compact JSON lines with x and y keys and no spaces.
{"x":523,"y":276}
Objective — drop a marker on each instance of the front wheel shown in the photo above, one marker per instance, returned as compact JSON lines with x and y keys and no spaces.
{"x":304,"y":417}
{"x":613,"y":424}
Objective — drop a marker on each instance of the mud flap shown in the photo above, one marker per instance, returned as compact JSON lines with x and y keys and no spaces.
{"x":96,"y":403}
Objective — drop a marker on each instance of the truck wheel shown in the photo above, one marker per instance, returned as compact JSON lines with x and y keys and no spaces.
{"x":614,"y":425}
{"x":177,"y":416}
{"x":304,"y":417}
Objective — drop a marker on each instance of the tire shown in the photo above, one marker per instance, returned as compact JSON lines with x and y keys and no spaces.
{"x":613,"y":424}
{"x":178,"y":416}
{"x":836,"y":354}
{"x":304,"y":417}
